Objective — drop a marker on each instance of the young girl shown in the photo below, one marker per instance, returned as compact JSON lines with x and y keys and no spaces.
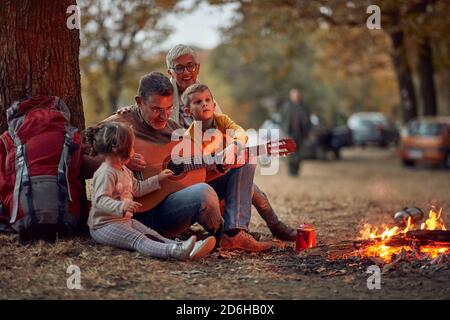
{"x":110,"y":219}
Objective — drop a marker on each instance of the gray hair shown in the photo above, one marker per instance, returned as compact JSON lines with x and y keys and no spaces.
{"x":154,"y":83}
{"x":178,"y":51}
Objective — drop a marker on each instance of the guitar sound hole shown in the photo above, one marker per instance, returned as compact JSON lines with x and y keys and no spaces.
{"x":177,"y":169}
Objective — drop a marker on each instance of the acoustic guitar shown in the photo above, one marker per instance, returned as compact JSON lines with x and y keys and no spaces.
{"x":188,"y":169}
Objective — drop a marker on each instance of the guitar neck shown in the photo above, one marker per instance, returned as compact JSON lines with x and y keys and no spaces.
{"x":197,"y":162}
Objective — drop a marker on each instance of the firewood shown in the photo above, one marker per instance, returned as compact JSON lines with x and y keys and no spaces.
{"x":430,"y":235}
{"x":418,"y":237}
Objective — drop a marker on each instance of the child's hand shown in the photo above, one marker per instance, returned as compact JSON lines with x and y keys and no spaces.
{"x":129,"y":214}
{"x":163,"y":175}
{"x":131,"y":206}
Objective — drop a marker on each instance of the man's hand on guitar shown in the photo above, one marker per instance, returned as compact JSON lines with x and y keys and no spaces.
{"x":131,"y":206}
{"x":165,"y":174}
{"x":137,"y":162}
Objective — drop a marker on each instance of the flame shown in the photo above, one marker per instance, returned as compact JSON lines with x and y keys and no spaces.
{"x":370,"y":232}
{"x":384,"y":251}
{"x":434,"y":221}
{"x":434,"y":252}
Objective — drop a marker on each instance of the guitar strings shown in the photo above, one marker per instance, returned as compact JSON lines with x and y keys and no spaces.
{"x":192,"y":159}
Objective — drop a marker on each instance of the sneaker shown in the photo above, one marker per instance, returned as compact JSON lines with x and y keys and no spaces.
{"x":244,"y":241}
{"x":202,"y":248}
{"x":181,"y":250}
{"x":283,"y":232}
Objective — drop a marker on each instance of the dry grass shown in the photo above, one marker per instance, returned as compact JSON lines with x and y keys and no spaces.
{"x":336,"y":197}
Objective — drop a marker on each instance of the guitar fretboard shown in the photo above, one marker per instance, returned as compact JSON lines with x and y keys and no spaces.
{"x":198,"y":162}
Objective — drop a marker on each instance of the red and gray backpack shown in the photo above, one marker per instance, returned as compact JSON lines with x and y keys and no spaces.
{"x":40,"y":156}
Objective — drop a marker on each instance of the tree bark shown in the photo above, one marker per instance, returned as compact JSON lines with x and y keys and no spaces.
{"x":39,"y":55}
{"x":404,"y":76}
{"x":425,"y":70}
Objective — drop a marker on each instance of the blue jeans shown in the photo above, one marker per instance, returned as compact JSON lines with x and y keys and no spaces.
{"x":181,"y":209}
{"x":236,"y":187}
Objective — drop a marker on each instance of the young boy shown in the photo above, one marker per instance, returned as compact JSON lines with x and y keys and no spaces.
{"x":200,"y":104}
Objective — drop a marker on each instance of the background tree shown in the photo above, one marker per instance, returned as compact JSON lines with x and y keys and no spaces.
{"x":118,"y":37}
{"x":39,"y":54}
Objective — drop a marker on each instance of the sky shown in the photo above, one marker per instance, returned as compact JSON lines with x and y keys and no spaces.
{"x":199,"y":28}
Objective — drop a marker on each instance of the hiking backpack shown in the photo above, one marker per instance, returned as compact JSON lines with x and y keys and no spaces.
{"x":40,"y":157}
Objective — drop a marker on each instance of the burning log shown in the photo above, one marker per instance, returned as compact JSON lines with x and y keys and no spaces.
{"x":413,"y":237}
{"x":430,"y":235}
{"x":419,"y":237}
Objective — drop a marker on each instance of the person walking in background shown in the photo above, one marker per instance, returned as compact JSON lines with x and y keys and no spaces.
{"x":296,"y":122}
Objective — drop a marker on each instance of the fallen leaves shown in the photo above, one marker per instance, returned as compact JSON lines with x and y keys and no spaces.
{"x":334,"y":273}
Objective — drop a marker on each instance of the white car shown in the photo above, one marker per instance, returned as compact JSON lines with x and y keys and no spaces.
{"x":369,"y":128}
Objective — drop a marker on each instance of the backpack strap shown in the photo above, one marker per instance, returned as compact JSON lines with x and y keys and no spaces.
{"x":26,"y":182}
{"x":22,"y":178}
{"x":63,"y":108}
{"x":63,"y":169}
{"x":15,"y":120}
{"x":19,"y":164}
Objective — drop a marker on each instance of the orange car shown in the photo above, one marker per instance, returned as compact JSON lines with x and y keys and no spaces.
{"x":426,"y":140}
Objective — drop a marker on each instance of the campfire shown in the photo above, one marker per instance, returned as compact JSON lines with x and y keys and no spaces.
{"x":422,"y":247}
{"x":428,"y":240}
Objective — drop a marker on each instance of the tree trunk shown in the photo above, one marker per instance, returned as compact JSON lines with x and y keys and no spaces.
{"x":426,"y":77}
{"x":404,"y":76}
{"x":39,"y":54}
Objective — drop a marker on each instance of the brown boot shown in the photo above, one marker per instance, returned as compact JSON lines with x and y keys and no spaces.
{"x":244,"y":241}
{"x":283,"y":232}
{"x":278,"y":228}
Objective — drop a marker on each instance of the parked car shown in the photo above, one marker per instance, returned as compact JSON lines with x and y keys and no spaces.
{"x":426,"y":140}
{"x":371,"y":128}
{"x":340,"y":137}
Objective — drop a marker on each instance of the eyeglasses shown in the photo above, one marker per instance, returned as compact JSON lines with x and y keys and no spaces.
{"x":179,"y":69}
{"x":156,"y":110}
